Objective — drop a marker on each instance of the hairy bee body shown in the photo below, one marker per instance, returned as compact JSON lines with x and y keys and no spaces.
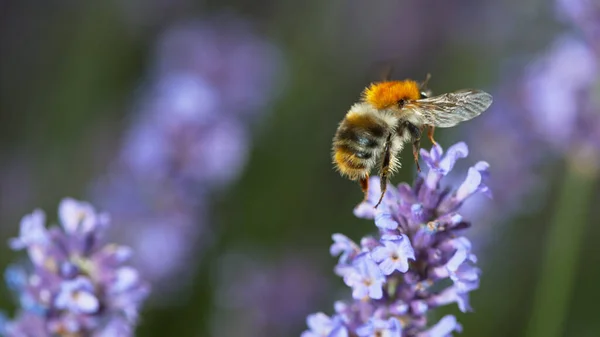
{"x":391,"y":113}
{"x":360,"y":139}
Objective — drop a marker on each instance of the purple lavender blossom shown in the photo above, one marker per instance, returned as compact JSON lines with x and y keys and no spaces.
{"x":77,"y":285}
{"x":191,"y":136}
{"x":424,"y":262}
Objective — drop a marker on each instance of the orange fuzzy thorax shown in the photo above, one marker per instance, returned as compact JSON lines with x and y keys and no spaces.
{"x":386,"y":94}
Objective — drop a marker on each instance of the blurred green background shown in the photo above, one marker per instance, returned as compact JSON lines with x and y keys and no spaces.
{"x":70,"y":72}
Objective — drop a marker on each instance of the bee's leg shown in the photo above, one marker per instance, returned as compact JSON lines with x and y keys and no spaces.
{"x":415,"y":133}
{"x":430,"y":134}
{"x":385,"y":168}
{"x":364,"y":185}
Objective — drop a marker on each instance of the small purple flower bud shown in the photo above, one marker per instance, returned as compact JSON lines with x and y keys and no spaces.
{"x":462,"y":253}
{"x":474,"y":182}
{"x":344,"y":247}
{"x":451,"y":295}
{"x":367,"y":243}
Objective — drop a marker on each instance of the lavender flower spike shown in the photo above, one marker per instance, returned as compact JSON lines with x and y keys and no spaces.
{"x":417,"y":262}
{"x":76,"y":285}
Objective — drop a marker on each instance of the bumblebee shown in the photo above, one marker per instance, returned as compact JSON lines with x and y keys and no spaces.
{"x":391,"y":114}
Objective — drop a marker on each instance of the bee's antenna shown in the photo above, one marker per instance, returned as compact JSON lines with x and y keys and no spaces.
{"x":424,"y":83}
{"x":387,"y":73}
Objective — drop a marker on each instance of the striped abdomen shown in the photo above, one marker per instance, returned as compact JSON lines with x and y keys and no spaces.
{"x":357,"y":143}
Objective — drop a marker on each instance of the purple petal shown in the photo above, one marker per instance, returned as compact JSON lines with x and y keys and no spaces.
{"x":466,"y":278}
{"x":76,"y":216}
{"x":385,"y":221}
{"x":388,"y":266}
{"x":368,"y":243}
{"x":338,"y":331}
{"x":474,"y":182}
{"x":126,"y":278}
{"x":87,"y":302}
{"x":364,"y":210}
{"x":451,"y":295}
{"x":32,"y":231}
{"x":405,"y":249}
{"x":463,"y":250}
{"x":318,"y":321}
{"x":376,"y":291}
{"x":455,"y":152}
{"x":432,"y":157}
{"x":359,"y":292}
{"x":443,"y":328}
{"x":381,"y":253}
{"x":321,"y":325}
{"x":342,"y":245}
{"x":76,"y":295}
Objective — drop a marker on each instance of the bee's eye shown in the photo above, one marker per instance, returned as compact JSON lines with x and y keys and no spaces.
{"x":401,"y":102}
{"x":424,"y":94}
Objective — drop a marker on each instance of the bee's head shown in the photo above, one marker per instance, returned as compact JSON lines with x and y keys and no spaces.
{"x":383,"y":95}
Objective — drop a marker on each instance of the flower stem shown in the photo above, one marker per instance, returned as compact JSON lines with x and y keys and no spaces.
{"x":562,"y":247}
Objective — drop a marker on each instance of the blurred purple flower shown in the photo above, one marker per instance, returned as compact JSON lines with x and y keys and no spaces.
{"x":584,"y":14}
{"x":267,"y":298}
{"x":190,"y":137}
{"x":552,"y":111}
{"x":557,"y":92}
{"x":78,"y":286}
{"x":423,"y":261}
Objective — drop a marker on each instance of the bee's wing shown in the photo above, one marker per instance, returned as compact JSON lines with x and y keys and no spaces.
{"x":450,"y":109}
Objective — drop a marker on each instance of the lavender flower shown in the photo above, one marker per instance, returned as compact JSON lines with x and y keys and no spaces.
{"x":210,"y":80}
{"x":416,"y":263}
{"x":76,"y":286}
